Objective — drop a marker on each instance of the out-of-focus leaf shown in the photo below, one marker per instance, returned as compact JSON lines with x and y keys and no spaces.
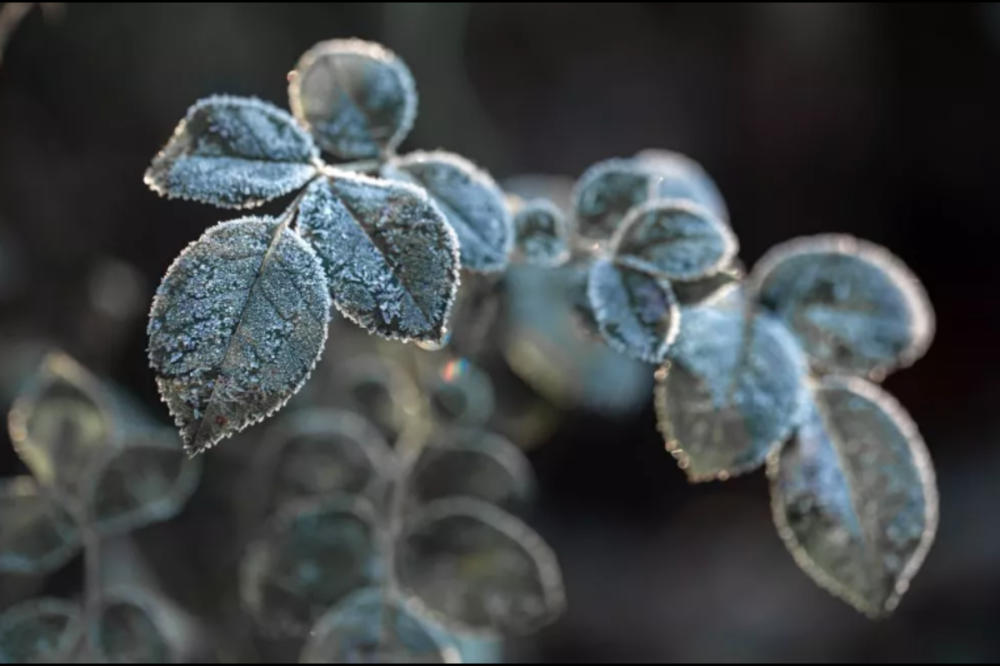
{"x":60,"y":424}
{"x":237,"y":325}
{"x":125,"y":631}
{"x":391,"y":259}
{"x":636,"y":312}
{"x":475,"y":568}
{"x":37,"y":536}
{"x":606,"y":192}
{"x":700,"y":292}
{"x":470,"y":200}
{"x":147,"y":481}
{"x":309,"y":557}
{"x":474,"y":317}
{"x":854,"y":307}
{"x":680,"y":177}
{"x":725,"y":402}
{"x":471,"y":463}
{"x":370,"y":628}
{"x":674,"y":240}
{"x":357,"y":98}
{"x":233,"y":152}
{"x":557,"y":189}
{"x":541,"y":234}
{"x":379,"y":389}
{"x":323,"y":452}
{"x":461,"y":394}
{"x":40,"y":631}
{"x":854,"y":494}
{"x":544,"y":345}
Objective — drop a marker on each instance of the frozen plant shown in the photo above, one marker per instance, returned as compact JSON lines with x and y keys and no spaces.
{"x":241,"y":317}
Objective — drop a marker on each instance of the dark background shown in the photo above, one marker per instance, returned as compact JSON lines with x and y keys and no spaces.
{"x":881,"y":121}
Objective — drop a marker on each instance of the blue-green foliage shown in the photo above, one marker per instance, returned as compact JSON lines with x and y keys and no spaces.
{"x":679,"y":177}
{"x":40,"y":631}
{"x":125,"y":631}
{"x":36,"y":535}
{"x":234,"y":152}
{"x":541,"y":233}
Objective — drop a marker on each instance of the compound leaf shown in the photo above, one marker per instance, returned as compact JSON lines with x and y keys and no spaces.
{"x":390,"y":258}
{"x":236,"y":327}
{"x":470,"y":200}
{"x":357,"y":98}
{"x":854,"y":495}
{"x":233,"y":152}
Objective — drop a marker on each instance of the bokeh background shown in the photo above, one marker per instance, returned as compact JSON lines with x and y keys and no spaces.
{"x":876,"y":120}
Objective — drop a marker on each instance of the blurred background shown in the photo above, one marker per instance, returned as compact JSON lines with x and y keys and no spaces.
{"x":875,"y":120}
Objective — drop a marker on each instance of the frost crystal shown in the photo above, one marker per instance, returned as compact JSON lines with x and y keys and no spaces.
{"x":470,"y":200}
{"x":854,"y":495}
{"x":854,"y":307}
{"x":237,"y":325}
{"x":391,"y":259}
{"x":233,"y":152}
{"x":723,"y":402}
{"x":675,"y":240}
{"x":542,"y":237}
{"x":357,"y":98}
{"x":636,"y":313}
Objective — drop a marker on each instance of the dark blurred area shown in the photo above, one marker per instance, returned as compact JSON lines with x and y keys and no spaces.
{"x":875,"y":120}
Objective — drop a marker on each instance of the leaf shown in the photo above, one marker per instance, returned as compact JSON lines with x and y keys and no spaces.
{"x":722,"y":404}
{"x":674,"y":240}
{"x":59,"y":425}
{"x":37,"y":536}
{"x":701,"y":292}
{"x":370,"y":628}
{"x":461,"y":394}
{"x":471,"y":201}
{"x":40,"y":631}
{"x":379,"y":389}
{"x":471,"y":463}
{"x":322,"y":452}
{"x":606,"y":192}
{"x":854,"y":495}
{"x":237,"y":325}
{"x":541,"y":234}
{"x":636,"y":313}
{"x":126,"y":631}
{"x":309,"y":557}
{"x":357,"y":98}
{"x":390,"y":258}
{"x":475,"y":568}
{"x":473,"y":322}
{"x":680,"y":177}
{"x":146,"y":482}
{"x":854,"y":307}
{"x":233,"y":152}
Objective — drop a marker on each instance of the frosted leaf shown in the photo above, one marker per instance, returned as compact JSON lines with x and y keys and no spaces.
{"x":543,"y":344}
{"x":126,"y":631}
{"x":40,"y":631}
{"x":475,"y":568}
{"x":59,"y":425}
{"x":233,"y":152}
{"x":380,"y":390}
{"x":854,"y":307}
{"x":541,"y":233}
{"x":702,"y":291}
{"x":461,"y":394}
{"x":390,"y":257}
{"x":237,"y":325}
{"x":370,"y":628}
{"x":309,"y":557}
{"x":854,"y":495}
{"x":679,"y":177}
{"x":323,"y":452}
{"x":636,"y":313}
{"x":471,"y":463}
{"x":357,"y":98}
{"x":606,"y":192}
{"x":578,"y":277}
{"x":470,"y":200}
{"x":723,"y":405}
{"x":37,"y":536}
{"x":146,"y":482}
{"x":674,"y":240}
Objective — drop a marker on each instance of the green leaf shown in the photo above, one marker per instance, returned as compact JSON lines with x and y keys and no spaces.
{"x":237,"y":325}
{"x":854,"y":495}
